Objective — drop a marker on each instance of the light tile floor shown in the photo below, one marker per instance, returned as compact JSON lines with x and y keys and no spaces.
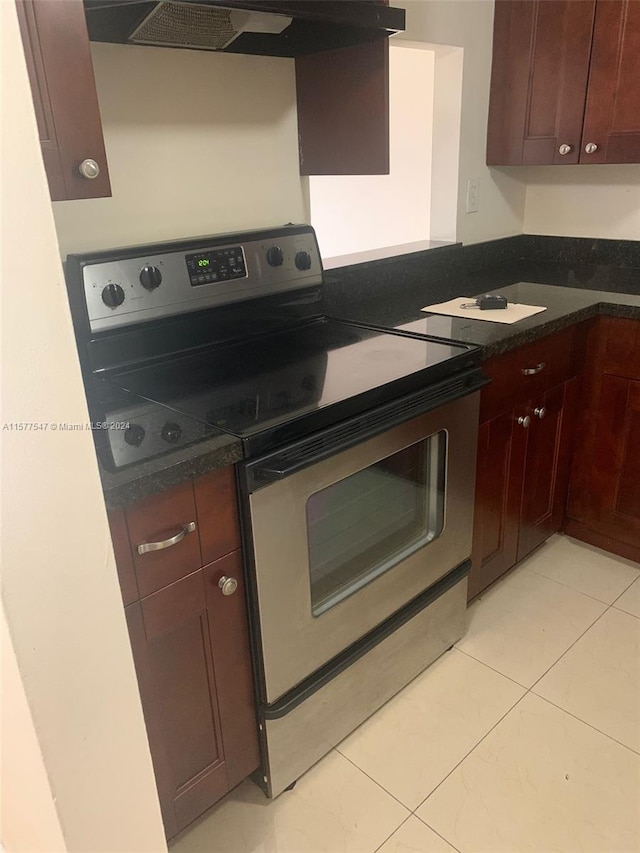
{"x":525,"y":738}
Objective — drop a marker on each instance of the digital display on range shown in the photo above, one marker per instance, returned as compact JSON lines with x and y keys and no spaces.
{"x":216,"y":265}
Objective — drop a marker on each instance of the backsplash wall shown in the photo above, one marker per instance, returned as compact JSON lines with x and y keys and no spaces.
{"x":583,"y":201}
{"x":197,"y":143}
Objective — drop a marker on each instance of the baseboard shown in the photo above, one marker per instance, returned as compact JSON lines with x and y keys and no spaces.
{"x":600,"y":540}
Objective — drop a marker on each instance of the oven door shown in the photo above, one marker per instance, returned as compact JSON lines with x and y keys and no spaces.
{"x":345,"y":542}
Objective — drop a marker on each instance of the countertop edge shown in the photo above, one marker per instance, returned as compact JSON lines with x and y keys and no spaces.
{"x":573,"y":318}
{"x":123,"y":494}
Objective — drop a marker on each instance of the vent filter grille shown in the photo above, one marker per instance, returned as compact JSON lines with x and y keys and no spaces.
{"x":182,"y":25}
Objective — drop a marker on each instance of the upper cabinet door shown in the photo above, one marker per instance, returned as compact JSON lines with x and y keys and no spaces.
{"x":538,"y":81}
{"x":612,"y":119}
{"x":343,"y":110}
{"x":56,"y":45}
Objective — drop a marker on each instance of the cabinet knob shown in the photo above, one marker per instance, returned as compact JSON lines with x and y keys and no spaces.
{"x":591,"y":148}
{"x":540,"y":412}
{"x":524,"y":421}
{"x":89,"y":169}
{"x":565,"y":149}
{"x":228,"y":585}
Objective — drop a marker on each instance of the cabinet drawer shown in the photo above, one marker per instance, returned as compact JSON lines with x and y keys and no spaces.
{"x":531,"y":370}
{"x":216,"y":503}
{"x":168,"y":518}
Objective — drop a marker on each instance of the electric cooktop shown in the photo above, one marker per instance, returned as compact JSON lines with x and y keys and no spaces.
{"x":227,"y":333}
{"x":296,"y":381}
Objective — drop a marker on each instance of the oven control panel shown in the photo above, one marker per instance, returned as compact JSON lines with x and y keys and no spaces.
{"x":140,"y":284}
{"x":216,"y":265}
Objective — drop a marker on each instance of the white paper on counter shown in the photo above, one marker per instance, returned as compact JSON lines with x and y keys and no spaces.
{"x":511,"y":314}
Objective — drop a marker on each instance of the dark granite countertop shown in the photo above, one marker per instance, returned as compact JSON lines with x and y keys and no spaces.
{"x":565,"y":306}
{"x":574,"y":278}
{"x":124,"y":487}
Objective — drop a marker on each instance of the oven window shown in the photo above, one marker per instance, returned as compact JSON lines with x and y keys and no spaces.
{"x":367,"y":523}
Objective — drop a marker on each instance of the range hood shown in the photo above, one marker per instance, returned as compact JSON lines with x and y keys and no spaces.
{"x":265,"y":27}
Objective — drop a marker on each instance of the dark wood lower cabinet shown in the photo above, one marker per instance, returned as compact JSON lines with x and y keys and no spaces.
{"x":524,"y":459}
{"x":501,"y":450}
{"x":547,"y":466}
{"x":604,"y":505}
{"x":190,"y":648}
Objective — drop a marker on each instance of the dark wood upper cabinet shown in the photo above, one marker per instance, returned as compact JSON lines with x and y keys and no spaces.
{"x":565,"y":78}
{"x":342,"y":96}
{"x":612,"y":117}
{"x":56,"y":46}
{"x":343,"y":110}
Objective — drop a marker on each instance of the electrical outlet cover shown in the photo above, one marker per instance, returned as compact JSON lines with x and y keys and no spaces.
{"x":473,"y":195}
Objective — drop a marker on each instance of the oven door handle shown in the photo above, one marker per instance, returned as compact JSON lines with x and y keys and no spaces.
{"x":277,"y":470}
{"x":343,"y":436}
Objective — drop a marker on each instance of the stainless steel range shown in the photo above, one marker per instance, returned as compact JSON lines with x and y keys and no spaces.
{"x":359,"y":462}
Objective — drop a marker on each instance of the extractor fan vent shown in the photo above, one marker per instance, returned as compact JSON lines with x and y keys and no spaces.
{"x":204,"y":27}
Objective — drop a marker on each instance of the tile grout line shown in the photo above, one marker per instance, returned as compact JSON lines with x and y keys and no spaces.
{"x":579,"y":591}
{"x":528,"y":690}
{"x":393,"y":833}
{"x":566,"y":651}
{"x":453,"y":847}
{"x":493,"y":669}
{"x":626,"y":612}
{"x":375,"y":781}
{"x":584,"y":723}
{"x":613,"y":603}
{"x":411,"y":813}
{"x":464,"y":757}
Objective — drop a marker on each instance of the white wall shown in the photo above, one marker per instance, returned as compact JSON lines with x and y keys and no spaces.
{"x":583,"y":201}
{"x":469,"y":24}
{"x":29,"y":818}
{"x":197,"y":143}
{"x":60,"y":590}
{"x":353,"y":213}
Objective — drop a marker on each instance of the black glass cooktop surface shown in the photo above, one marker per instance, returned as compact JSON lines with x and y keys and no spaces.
{"x":302,"y":379}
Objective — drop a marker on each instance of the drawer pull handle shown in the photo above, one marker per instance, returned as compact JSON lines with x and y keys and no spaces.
{"x":540,"y":412}
{"x":531,"y":371}
{"x":167,"y":543}
{"x":524,"y":421}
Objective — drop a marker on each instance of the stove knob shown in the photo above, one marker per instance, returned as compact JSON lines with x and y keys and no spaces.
{"x":134,"y":435}
{"x":275,"y":256}
{"x":113,"y":295}
{"x":150,"y":277}
{"x":171,"y":432}
{"x":303,"y":260}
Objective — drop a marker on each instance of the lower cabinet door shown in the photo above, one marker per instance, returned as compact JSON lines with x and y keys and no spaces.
{"x":524,"y":461}
{"x":192,"y":660}
{"x":547,"y":465}
{"x":501,"y":450}
{"x":607,"y":504}
{"x":229,"y":634}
